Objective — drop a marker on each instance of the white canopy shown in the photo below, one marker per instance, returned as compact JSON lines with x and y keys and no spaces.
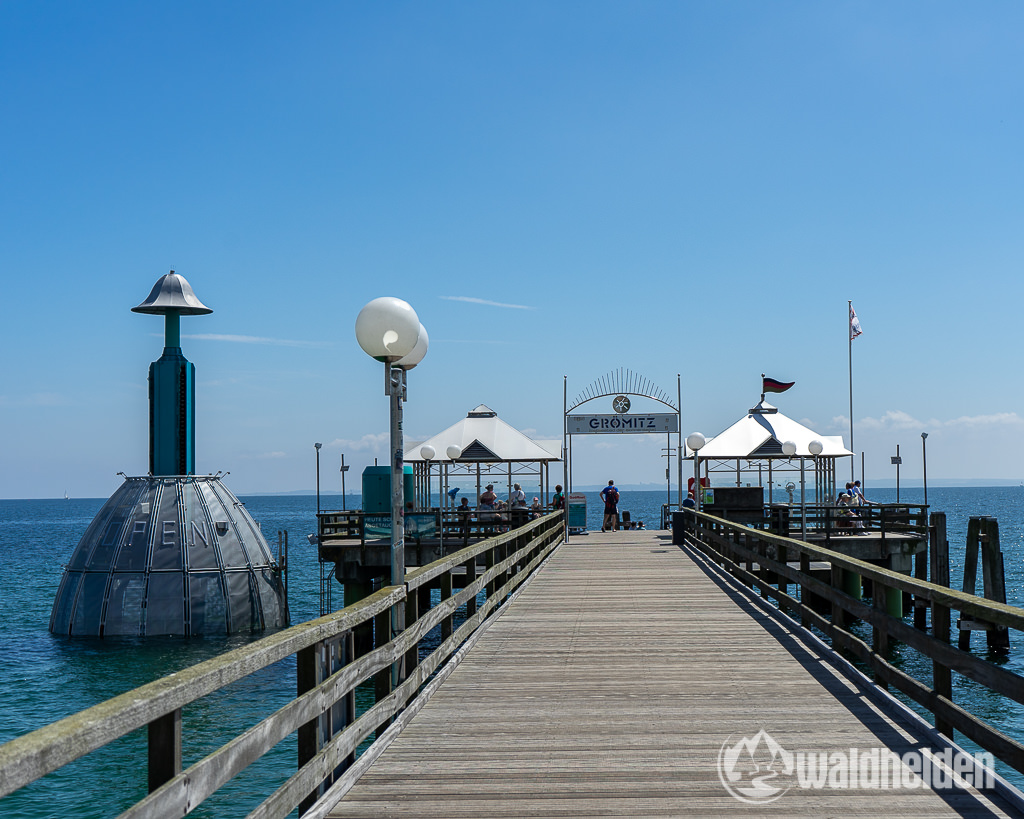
{"x":761,"y":434}
{"x":483,"y":437}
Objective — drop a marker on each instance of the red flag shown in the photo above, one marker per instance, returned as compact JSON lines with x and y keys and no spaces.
{"x":771,"y":385}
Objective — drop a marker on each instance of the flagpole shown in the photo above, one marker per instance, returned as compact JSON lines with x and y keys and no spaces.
{"x":849,"y":344}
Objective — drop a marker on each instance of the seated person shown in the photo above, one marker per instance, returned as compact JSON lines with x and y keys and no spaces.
{"x":465,"y":512}
{"x":848,"y":518}
{"x":536,"y":510}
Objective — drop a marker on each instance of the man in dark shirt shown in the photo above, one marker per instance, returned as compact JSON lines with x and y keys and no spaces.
{"x":610,"y":496}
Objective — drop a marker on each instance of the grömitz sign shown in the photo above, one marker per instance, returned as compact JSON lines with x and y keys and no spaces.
{"x":653,"y":422}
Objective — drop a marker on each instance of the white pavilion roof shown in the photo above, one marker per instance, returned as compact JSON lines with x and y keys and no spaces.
{"x":761,"y":434}
{"x":483,"y":436}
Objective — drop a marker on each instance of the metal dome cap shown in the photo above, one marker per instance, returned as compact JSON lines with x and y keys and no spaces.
{"x":172,"y":294}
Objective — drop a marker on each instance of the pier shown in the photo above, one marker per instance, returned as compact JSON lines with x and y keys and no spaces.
{"x":608,"y":688}
{"x":610,"y":675}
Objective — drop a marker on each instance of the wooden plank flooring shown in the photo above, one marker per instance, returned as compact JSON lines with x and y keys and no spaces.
{"x":609,"y":687}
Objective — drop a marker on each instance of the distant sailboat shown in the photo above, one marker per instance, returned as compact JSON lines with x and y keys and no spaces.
{"x":65,"y":494}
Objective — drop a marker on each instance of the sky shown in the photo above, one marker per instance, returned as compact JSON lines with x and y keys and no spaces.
{"x":559,"y":189}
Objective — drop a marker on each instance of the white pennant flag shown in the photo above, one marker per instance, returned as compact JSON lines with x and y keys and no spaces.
{"x":854,"y":324}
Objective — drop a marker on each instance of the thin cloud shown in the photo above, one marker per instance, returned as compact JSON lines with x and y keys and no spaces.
{"x":900,"y":420}
{"x":472,"y":300}
{"x":368,"y":443}
{"x":277,"y":342}
{"x":37,"y":399}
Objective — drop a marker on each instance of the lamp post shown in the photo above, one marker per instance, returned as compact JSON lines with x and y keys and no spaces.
{"x":816,"y":447}
{"x":389,"y":331}
{"x":318,"y":477}
{"x":695,"y":441}
{"x":789,"y":450}
{"x":344,"y":469}
{"x":896,"y":461}
{"x":428,"y":452}
{"x":924,"y":464}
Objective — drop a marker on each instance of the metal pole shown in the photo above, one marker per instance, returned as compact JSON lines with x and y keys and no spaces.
{"x":696,"y":482}
{"x":681,"y":447}
{"x":395,"y":389}
{"x":849,"y":335}
{"x":898,"y":462}
{"x":317,"y":478}
{"x":924,"y":464}
{"x":344,"y":469}
{"x":803,"y":503}
{"x":566,"y":466}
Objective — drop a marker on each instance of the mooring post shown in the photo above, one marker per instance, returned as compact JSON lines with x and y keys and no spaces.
{"x":942,"y":677}
{"x":983,"y":542}
{"x":919,"y":603}
{"x":994,"y":580}
{"x":970,"y":577}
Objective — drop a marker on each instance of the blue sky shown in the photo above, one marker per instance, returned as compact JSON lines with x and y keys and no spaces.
{"x":559,"y":189}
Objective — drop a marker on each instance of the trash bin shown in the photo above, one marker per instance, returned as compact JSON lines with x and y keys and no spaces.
{"x":679,"y":524}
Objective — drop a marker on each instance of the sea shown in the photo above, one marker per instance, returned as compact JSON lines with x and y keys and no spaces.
{"x":44,"y":678}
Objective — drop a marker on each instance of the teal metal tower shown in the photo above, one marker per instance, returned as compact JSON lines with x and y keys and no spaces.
{"x":172,"y":552}
{"x":172,"y":408}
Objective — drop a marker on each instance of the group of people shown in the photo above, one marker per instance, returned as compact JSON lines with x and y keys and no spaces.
{"x":493,"y":509}
{"x":847,"y":503}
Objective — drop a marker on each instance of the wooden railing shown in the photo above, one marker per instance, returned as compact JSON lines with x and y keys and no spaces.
{"x":773,"y":565}
{"x":335,"y":654}
{"x":886,"y":518}
{"x":342,"y":526}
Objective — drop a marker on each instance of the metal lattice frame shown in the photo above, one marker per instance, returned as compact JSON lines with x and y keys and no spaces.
{"x":623,"y":381}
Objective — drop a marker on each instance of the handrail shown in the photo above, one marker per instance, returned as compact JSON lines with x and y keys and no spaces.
{"x":770,"y":563}
{"x":329,"y":670}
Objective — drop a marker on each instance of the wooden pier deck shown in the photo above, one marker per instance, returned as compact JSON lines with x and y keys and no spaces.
{"x":609,"y":687}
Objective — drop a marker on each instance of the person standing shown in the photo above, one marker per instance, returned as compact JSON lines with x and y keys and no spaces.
{"x":558,"y":501}
{"x":517,"y":500}
{"x":610,"y":496}
{"x":859,"y":493}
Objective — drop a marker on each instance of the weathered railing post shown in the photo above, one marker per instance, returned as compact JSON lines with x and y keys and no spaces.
{"x":446,"y":592}
{"x":383,"y":679}
{"x":805,"y":603}
{"x":412,"y":614}
{"x":306,"y":674}
{"x":942,"y":677}
{"x":164,"y":749}
{"x":879,"y":634}
{"x":470,"y":577}
{"x":782,"y":556}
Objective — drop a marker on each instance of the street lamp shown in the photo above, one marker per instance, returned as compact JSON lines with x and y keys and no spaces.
{"x":924,"y":464}
{"x":344,"y":469}
{"x":789,"y":450}
{"x":816,"y":447}
{"x":318,"y":477}
{"x":427,"y":452}
{"x":389,"y":331}
{"x":696,"y":441}
{"x":454,"y":452}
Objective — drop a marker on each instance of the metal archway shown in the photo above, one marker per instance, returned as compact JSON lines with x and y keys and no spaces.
{"x":620,"y":384}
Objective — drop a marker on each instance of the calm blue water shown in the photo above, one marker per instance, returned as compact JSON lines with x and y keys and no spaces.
{"x":45,"y":678}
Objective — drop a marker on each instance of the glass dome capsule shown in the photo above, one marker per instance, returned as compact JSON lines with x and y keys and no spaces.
{"x":170,"y":555}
